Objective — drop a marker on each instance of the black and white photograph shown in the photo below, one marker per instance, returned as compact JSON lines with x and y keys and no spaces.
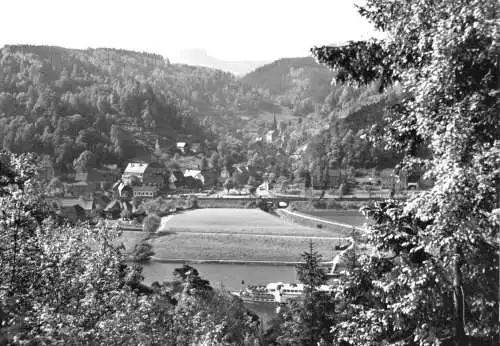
{"x":249,"y":173}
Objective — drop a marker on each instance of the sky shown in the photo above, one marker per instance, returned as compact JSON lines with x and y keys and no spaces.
{"x":227,"y":29}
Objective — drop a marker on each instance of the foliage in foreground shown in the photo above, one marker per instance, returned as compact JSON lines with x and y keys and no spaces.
{"x":441,"y":284}
{"x":71,"y":286}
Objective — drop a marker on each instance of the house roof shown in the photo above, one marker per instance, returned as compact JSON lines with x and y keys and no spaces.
{"x":181,"y":144}
{"x":136,"y":168}
{"x":195,"y":173}
{"x":191,"y":172}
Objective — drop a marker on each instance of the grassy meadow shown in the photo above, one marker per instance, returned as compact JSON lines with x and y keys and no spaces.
{"x":238,"y":221}
{"x":233,"y":234}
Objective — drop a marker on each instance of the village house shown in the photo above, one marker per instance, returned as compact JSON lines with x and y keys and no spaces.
{"x":183,"y":147}
{"x":145,"y":191}
{"x":74,"y":209}
{"x":146,"y":173}
{"x":388,"y":180}
{"x":332,"y":178}
{"x":194,"y":173}
{"x":195,"y":148}
{"x":272,"y":136}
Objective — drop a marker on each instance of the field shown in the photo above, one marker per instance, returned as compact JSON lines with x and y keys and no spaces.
{"x":237,"y":221}
{"x":233,"y":235}
{"x":349,"y":217}
{"x":210,"y":246}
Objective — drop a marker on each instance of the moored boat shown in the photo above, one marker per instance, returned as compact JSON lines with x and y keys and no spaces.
{"x":275,"y":292}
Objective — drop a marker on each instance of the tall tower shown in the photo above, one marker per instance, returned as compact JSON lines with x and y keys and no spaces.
{"x":275,"y":124}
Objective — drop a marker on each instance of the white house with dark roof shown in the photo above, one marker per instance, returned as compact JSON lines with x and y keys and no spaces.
{"x":147,"y":173}
{"x":195,"y":173}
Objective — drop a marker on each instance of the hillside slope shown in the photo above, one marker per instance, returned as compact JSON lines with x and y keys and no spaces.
{"x":117,"y":104}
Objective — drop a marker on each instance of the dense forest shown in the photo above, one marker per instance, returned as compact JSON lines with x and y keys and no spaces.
{"x":332,"y":121}
{"x":104,"y":106}
{"x":116,"y":104}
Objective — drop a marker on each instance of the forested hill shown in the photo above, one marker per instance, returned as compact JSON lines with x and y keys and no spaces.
{"x":293,"y":81}
{"x":114,"y":103}
{"x":333,"y":117}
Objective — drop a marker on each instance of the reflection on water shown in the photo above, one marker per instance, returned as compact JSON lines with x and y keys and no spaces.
{"x":230,"y":277}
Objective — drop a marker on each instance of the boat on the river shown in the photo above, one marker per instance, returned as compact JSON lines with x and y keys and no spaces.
{"x":275,"y":292}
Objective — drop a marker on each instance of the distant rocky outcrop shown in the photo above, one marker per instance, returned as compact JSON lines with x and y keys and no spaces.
{"x":200,"y":57}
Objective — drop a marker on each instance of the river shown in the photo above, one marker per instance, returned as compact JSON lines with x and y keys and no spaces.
{"x":229,"y":276}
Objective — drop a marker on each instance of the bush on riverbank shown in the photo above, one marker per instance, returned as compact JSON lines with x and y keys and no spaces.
{"x":142,"y":253}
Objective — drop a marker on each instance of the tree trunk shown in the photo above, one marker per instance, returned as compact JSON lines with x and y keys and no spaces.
{"x":460,"y":338}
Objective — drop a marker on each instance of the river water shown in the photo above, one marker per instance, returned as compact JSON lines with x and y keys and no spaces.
{"x":230,"y":277}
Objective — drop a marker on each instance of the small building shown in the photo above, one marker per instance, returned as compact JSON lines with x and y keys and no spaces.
{"x":332,"y":178}
{"x":195,"y":173}
{"x":74,"y":209}
{"x":145,"y":191}
{"x":272,"y":135}
{"x":147,"y":174}
{"x":182,"y":147}
{"x":195,"y":147}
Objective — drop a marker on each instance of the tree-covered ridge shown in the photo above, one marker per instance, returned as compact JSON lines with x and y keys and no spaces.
{"x":114,"y":103}
{"x":296,"y":83}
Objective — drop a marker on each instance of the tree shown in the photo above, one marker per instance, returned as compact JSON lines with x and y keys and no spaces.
{"x":309,"y":272}
{"x":85,"y":161}
{"x":151,"y":223}
{"x":444,"y":56}
{"x":228,"y":184}
{"x":203,"y":164}
{"x":81,"y":289}
{"x":252,"y":181}
{"x":308,"y":320}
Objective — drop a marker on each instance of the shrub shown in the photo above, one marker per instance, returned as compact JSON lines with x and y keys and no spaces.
{"x":151,"y":223}
{"x":251,"y":204}
{"x":142,"y":252}
{"x":262,"y":204}
{"x":193,"y":202}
